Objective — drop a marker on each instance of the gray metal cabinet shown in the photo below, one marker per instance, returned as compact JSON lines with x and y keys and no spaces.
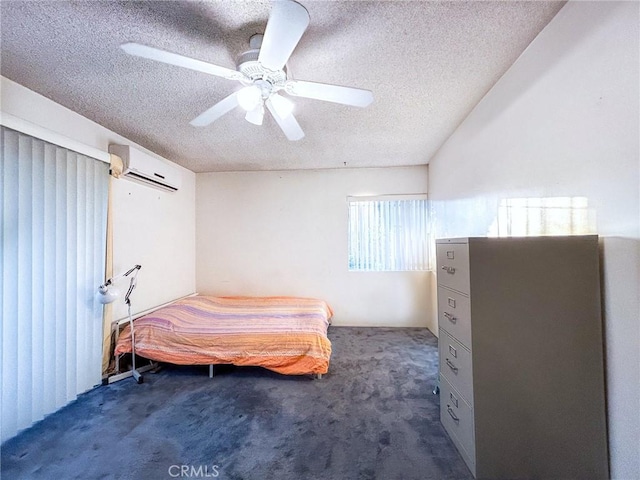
{"x":521,"y":356}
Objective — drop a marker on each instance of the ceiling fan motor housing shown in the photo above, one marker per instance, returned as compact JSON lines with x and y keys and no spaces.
{"x":249,"y":66}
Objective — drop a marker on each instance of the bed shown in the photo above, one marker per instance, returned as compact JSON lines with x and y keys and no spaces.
{"x":287,"y":335}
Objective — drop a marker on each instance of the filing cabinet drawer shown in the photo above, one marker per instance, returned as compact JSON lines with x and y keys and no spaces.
{"x":455,"y":365}
{"x":454,"y":315}
{"x":457,"y":418}
{"x":453,"y":265}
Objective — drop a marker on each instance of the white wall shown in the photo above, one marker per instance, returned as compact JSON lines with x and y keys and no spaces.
{"x":155,"y":229}
{"x":152,"y":228}
{"x":285,"y":233}
{"x":564,"y":121}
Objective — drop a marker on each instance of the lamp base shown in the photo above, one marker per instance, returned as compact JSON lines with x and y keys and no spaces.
{"x":131,"y":373}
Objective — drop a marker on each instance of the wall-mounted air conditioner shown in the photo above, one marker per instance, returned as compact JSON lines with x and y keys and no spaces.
{"x":143,"y":168}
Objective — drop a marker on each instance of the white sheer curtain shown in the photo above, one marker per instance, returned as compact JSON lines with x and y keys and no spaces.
{"x":388,"y":234}
{"x":53,"y":236}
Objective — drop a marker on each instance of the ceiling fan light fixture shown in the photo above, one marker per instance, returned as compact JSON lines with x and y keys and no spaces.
{"x":256,"y":115}
{"x":249,"y":97}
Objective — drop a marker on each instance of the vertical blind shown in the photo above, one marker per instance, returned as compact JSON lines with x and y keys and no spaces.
{"x":53,"y":236}
{"x":388,"y":235}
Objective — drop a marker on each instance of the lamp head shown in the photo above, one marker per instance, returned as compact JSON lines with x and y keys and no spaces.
{"x":107,"y":293}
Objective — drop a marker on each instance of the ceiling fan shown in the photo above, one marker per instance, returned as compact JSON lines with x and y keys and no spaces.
{"x":262,"y":71}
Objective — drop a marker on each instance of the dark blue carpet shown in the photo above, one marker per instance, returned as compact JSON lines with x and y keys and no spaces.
{"x":373,"y":416}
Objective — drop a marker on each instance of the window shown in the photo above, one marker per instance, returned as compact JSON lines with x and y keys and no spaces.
{"x":388,"y":233}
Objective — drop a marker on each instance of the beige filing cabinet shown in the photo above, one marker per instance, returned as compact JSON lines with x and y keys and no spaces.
{"x":521,"y":356}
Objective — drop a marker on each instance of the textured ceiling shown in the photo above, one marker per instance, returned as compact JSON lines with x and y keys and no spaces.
{"x":428,"y":64}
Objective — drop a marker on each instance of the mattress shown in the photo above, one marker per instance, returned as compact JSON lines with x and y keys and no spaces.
{"x":287,"y":335}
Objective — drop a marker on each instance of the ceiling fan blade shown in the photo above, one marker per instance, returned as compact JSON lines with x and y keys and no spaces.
{"x":287,"y":22}
{"x":219,"y":109}
{"x":355,"y":97}
{"x":283,"y":106}
{"x":256,"y":115}
{"x":289,"y":125}
{"x":163,"y":56}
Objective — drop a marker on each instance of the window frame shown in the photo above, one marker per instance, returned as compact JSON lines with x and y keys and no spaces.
{"x":426,"y":256}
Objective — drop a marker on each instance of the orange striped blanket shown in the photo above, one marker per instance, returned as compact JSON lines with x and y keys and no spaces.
{"x":285,"y":334}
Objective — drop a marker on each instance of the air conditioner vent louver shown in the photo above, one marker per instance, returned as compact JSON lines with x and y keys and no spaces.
{"x":147,"y":180}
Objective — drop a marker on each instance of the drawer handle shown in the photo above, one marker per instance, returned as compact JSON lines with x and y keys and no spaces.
{"x":451,"y":366}
{"x":450,"y":270}
{"x":450,"y":317}
{"x":452,"y":414}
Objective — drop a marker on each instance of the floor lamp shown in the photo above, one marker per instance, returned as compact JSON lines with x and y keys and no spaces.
{"x":108,"y":293}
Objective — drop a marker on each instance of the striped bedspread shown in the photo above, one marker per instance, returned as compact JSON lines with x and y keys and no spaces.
{"x":285,"y":334}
